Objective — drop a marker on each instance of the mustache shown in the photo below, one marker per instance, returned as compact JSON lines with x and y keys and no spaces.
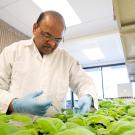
{"x":47,"y":46}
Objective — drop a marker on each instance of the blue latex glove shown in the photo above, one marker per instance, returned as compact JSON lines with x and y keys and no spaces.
{"x":28,"y":104}
{"x":84,"y":104}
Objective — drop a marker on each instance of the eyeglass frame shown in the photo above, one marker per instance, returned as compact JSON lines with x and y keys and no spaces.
{"x":48,"y":36}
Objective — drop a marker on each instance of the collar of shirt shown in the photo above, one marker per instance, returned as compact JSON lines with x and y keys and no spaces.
{"x":30,"y":43}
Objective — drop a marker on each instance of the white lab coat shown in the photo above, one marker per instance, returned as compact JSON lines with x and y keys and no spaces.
{"x":23,"y":70}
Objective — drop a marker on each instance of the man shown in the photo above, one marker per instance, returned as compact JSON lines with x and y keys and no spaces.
{"x":39,"y":67}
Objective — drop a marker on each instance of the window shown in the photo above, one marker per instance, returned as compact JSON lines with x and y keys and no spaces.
{"x":68,"y":103}
{"x":133,"y":86}
{"x":111,"y":77}
{"x":106,"y":80}
{"x":95,"y":73}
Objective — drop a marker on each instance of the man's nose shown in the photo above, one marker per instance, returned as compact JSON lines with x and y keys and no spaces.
{"x":51,"y":42}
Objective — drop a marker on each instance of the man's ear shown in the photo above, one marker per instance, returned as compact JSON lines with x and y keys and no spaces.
{"x":35,"y":26}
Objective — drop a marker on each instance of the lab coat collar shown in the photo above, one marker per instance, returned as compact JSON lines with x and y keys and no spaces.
{"x":28,"y":42}
{"x":35,"y":50}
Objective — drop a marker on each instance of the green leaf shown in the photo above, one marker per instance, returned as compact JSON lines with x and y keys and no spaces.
{"x":131,"y":111}
{"x":78,"y":121}
{"x":76,"y":131}
{"x":26,"y":132}
{"x":120,"y":127}
{"x":7,"y":129}
{"x":130,"y":132}
{"x":48,"y":125}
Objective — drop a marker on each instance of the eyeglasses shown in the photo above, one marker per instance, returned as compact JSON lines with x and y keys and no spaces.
{"x":48,"y":36}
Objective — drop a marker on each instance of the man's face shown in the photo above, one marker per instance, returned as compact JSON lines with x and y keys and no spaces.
{"x":48,"y":34}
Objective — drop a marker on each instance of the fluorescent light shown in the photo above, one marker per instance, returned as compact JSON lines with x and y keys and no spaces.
{"x":93,"y":53}
{"x":61,"y":6}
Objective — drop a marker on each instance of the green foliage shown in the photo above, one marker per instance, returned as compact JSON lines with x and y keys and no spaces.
{"x":79,"y":120}
{"x":76,"y":131}
{"x":48,"y":126}
{"x":129,"y":132}
{"x":120,"y":127}
{"x":106,"y":104}
{"x":65,"y":114}
{"x":131,"y":111}
{"x":26,"y":132}
{"x":98,"y":121}
{"x":7,"y":129}
{"x":114,"y":117}
{"x":21,"y":118}
{"x":69,"y":125}
{"x":4,"y":118}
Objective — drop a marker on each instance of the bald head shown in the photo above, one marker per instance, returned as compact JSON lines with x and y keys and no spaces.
{"x":55,"y":15}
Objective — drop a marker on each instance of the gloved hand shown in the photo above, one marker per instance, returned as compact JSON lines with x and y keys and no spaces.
{"x":84,"y":104}
{"x":28,"y":104}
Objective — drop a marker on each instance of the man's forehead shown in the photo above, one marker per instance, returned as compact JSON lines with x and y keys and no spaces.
{"x":51,"y":24}
{"x":47,"y":21}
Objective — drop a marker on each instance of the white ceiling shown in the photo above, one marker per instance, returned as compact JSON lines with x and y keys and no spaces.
{"x":108,"y":43}
{"x":97,"y":21}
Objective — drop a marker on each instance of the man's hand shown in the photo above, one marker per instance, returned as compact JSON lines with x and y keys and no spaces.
{"x":84,"y":104}
{"x":28,"y":104}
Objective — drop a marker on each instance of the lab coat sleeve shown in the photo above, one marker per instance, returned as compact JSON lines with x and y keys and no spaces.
{"x":81,"y":83}
{"x":5,"y":79}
